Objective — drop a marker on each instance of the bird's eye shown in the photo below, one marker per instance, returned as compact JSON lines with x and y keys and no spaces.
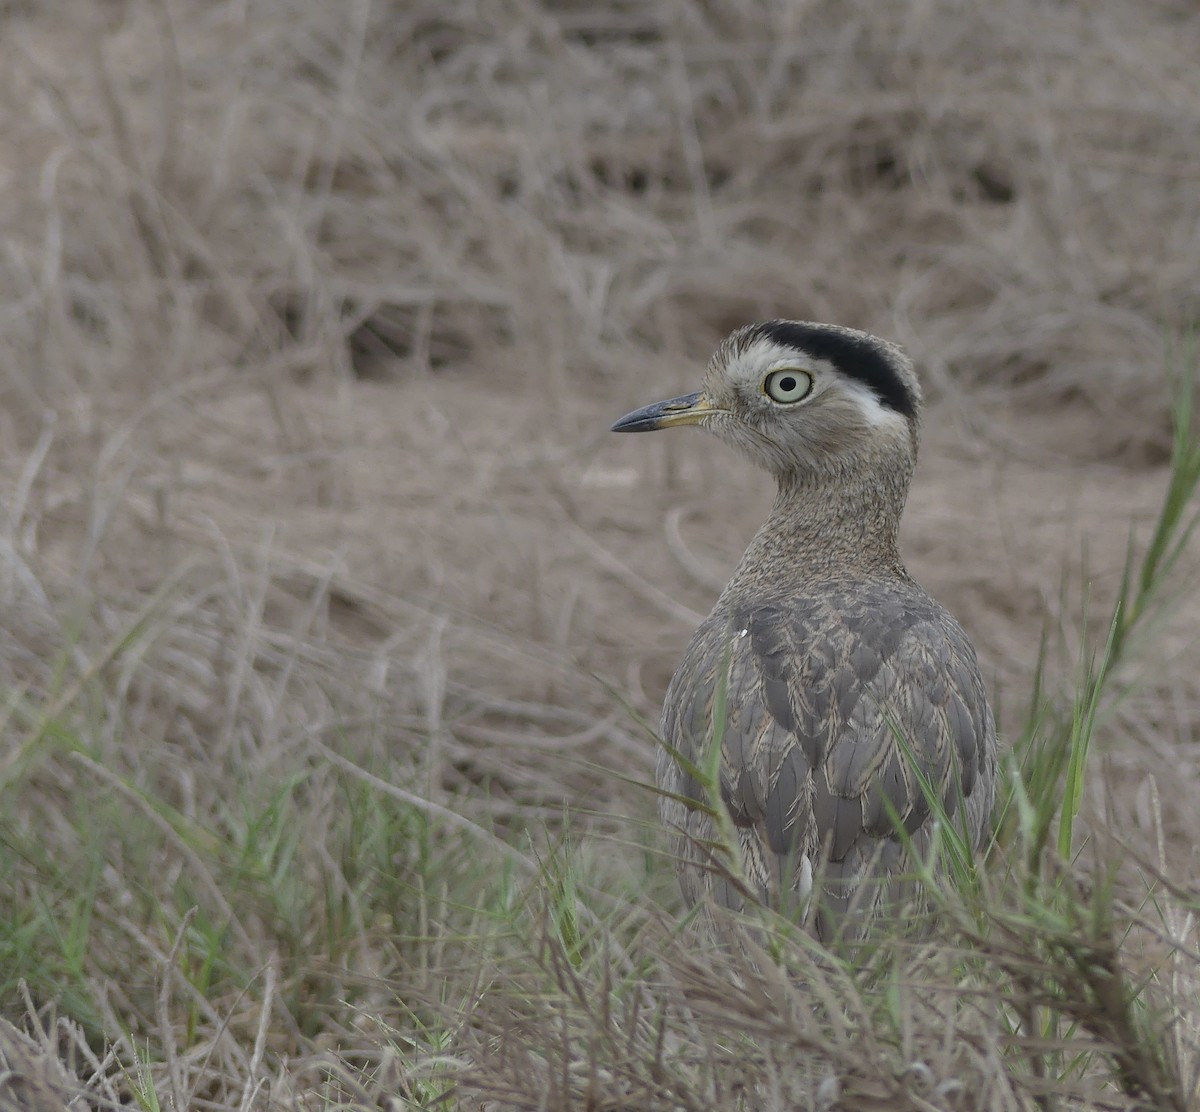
{"x":787,"y":386}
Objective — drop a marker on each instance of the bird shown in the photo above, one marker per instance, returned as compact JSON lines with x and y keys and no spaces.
{"x":848,"y":705}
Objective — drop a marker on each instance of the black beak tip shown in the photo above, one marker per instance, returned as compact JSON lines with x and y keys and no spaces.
{"x":658,"y":415}
{"x":640,"y":420}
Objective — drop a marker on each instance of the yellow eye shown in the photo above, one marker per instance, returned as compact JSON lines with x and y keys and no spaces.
{"x":787,"y":386}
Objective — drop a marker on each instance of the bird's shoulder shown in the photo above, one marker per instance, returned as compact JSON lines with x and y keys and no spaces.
{"x":851,"y":692}
{"x":843,"y":634}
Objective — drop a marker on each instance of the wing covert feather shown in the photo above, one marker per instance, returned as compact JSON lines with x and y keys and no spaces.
{"x":820,"y":691}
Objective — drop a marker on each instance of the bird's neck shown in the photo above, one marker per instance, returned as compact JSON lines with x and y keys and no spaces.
{"x":829,"y":526}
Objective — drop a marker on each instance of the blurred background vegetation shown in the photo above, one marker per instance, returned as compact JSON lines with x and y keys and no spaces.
{"x":333,"y":618}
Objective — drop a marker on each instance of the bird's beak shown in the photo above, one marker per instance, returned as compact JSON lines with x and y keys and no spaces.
{"x":691,"y":409}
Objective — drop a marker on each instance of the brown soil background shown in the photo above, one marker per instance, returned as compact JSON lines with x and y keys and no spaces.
{"x":320,"y":314}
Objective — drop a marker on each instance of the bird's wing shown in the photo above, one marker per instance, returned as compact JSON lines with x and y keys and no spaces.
{"x":837,"y":708}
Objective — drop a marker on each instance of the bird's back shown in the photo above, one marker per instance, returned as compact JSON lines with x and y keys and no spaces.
{"x":847,"y":705}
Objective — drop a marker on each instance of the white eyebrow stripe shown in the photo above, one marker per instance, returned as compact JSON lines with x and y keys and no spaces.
{"x":764,"y":356}
{"x":874,"y":412}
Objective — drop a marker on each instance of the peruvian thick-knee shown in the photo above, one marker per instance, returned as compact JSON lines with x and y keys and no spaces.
{"x":854,"y":706}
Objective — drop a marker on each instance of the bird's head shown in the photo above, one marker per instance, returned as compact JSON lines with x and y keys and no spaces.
{"x":803,"y":401}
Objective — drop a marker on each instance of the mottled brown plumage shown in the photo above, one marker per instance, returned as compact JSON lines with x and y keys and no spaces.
{"x":845,"y":685}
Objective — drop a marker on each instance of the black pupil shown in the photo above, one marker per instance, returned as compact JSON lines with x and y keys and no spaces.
{"x":787,"y":385}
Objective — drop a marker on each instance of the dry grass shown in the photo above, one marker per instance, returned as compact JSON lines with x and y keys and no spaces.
{"x":330,"y":607}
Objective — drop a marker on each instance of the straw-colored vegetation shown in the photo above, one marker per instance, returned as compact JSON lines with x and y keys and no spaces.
{"x":333,"y":619}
